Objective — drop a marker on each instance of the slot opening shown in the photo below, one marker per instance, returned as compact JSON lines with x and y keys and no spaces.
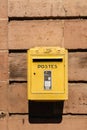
{"x":48,"y":60}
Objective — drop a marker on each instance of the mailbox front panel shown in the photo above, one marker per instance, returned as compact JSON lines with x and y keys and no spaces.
{"x":55,"y":77}
{"x":47,"y":77}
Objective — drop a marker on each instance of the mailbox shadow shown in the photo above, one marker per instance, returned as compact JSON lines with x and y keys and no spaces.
{"x":45,"y":112}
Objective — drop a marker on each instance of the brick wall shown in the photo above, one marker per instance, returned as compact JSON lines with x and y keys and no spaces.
{"x":29,"y":23}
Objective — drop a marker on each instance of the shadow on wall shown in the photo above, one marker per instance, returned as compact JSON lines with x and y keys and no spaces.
{"x":45,"y":112}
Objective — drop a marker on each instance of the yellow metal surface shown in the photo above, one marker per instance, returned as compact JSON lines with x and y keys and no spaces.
{"x":52,"y":60}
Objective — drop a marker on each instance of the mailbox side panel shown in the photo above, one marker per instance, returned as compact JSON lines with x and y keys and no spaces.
{"x":29,"y":74}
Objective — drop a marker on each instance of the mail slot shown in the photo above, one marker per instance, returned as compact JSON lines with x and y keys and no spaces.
{"x":47,"y":73}
{"x":47,"y":60}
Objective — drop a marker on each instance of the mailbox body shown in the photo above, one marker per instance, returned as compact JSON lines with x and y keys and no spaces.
{"x":47,"y":73}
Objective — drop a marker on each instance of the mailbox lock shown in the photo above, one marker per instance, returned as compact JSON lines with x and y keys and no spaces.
{"x":47,"y":80}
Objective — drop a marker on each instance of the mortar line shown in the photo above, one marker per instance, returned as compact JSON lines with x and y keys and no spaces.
{"x":25,"y":50}
{"x":48,"y":18}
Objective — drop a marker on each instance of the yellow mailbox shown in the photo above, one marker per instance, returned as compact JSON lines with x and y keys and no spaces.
{"x":47,"y":73}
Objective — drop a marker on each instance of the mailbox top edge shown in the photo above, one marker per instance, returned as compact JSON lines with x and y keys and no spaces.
{"x":47,"y":50}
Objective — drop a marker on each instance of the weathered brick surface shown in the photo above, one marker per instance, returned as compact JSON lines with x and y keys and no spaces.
{"x":71,"y":34}
{"x":77,"y":103}
{"x":3,"y":96}
{"x":17,"y":98}
{"x":3,"y":123}
{"x":18,"y":71}
{"x":3,"y":34}
{"x":26,"y":34}
{"x":42,"y":8}
{"x":68,"y":123}
{"x":75,"y":7}
{"x":3,"y":9}
{"x":3,"y":65}
{"x":77,"y":100}
{"x":77,"y":67}
{"x":75,"y":34}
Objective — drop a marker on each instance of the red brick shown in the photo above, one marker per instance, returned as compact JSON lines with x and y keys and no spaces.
{"x":3,"y":9}
{"x":3,"y":65}
{"x":3,"y":34}
{"x":75,"y":34}
{"x":42,"y":8}
{"x":68,"y":123}
{"x":26,"y":34}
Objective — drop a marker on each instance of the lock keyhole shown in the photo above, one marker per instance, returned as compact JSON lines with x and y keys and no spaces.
{"x":34,"y":73}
